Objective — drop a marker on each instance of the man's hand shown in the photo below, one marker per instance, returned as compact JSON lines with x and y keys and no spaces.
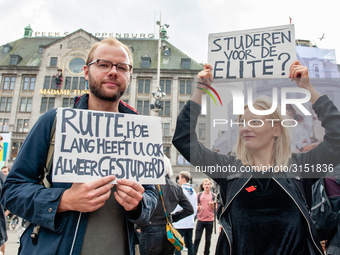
{"x":212,"y":203}
{"x":129,"y":193}
{"x":86,"y":197}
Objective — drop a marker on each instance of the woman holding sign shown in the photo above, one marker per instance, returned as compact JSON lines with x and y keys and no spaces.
{"x":265,"y":189}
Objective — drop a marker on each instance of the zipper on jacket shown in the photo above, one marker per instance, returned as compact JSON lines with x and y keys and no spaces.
{"x":322,"y":203}
{"x":225,"y":232}
{"x":310,"y":232}
{"x":75,"y":233}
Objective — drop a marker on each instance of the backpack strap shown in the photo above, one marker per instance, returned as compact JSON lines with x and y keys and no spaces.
{"x":46,"y":179}
{"x":200,"y":194}
{"x":199,"y":197}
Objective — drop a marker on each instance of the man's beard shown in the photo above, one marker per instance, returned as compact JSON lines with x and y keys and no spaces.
{"x":95,"y":88}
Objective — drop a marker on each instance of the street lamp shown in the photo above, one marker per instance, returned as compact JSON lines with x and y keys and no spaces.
{"x":159,"y":94}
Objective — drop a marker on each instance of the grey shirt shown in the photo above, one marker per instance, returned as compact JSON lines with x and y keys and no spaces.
{"x":106,"y":230}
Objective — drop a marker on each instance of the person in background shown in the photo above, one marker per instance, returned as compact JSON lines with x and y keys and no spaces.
{"x":5,"y":170}
{"x":332,"y":189}
{"x":153,"y":237}
{"x":3,"y":222}
{"x":1,"y":142}
{"x":205,"y":216}
{"x":185,"y":226}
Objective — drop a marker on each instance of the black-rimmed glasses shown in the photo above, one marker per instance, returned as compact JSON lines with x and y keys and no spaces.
{"x":105,"y":66}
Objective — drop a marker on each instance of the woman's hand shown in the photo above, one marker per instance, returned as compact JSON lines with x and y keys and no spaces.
{"x":203,"y":77}
{"x":299,"y":73}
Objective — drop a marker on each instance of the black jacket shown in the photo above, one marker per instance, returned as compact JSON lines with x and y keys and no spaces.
{"x":297,"y":185}
{"x":172,"y":196}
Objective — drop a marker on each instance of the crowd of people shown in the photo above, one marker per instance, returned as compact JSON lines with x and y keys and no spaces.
{"x":260,"y":213}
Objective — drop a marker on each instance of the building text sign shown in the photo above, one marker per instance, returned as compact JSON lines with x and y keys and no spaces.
{"x":93,"y":144}
{"x":252,"y":54}
{"x":116,"y":35}
{"x":63,"y":92}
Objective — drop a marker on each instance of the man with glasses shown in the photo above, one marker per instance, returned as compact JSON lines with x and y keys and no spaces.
{"x":80,"y":218}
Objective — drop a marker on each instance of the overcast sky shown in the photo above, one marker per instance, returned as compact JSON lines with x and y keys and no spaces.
{"x":190,"y":21}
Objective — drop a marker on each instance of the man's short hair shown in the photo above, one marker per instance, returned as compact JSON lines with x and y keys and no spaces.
{"x":110,"y":41}
{"x":9,"y":168}
{"x":206,"y":180}
{"x":185,"y":175}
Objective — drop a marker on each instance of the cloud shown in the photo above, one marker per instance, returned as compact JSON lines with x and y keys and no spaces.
{"x":190,"y":21}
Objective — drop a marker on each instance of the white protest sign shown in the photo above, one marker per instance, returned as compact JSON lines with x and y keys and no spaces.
{"x":93,"y":144}
{"x":252,"y":54}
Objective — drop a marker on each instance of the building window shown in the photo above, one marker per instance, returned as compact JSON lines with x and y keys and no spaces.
{"x":201,"y":130}
{"x":5,"y":104}
{"x":185,"y":87}
{"x":186,"y":63}
{"x":144,"y":86}
{"x":67,"y":102}
{"x":25,"y":104}
{"x":15,"y":149}
{"x":4,"y":125}
{"x":181,"y":160}
{"x":166,"y":109}
{"x":131,"y":48}
{"x":167,"y":88}
{"x":76,"y":65}
{"x":146,"y":61}
{"x":143,"y":107}
{"x":317,"y":72}
{"x":29,"y":83}
{"x":47,"y":103}
{"x":166,"y":151}
{"x":166,"y":51}
{"x":40,"y":49}
{"x":47,"y":82}
{"x":22,"y":125}
{"x":14,"y":59}
{"x":53,"y":61}
{"x":166,"y":129}
{"x":181,"y":106}
{"x":82,"y":83}
{"x":75,"y":83}
{"x":9,"y":83}
{"x":6,"y":48}
{"x":68,"y":83}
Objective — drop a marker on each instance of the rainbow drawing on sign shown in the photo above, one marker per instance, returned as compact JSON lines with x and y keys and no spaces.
{"x":212,"y":89}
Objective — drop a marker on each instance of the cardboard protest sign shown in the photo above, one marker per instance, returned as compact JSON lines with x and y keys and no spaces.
{"x":5,"y":140}
{"x":93,"y":144}
{"x":252,"y":54}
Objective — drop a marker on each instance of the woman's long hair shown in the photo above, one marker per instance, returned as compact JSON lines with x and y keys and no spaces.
{"x":281,"y":149}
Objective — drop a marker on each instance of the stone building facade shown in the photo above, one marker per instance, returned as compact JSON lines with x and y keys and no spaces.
{"x":27,"y":83}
